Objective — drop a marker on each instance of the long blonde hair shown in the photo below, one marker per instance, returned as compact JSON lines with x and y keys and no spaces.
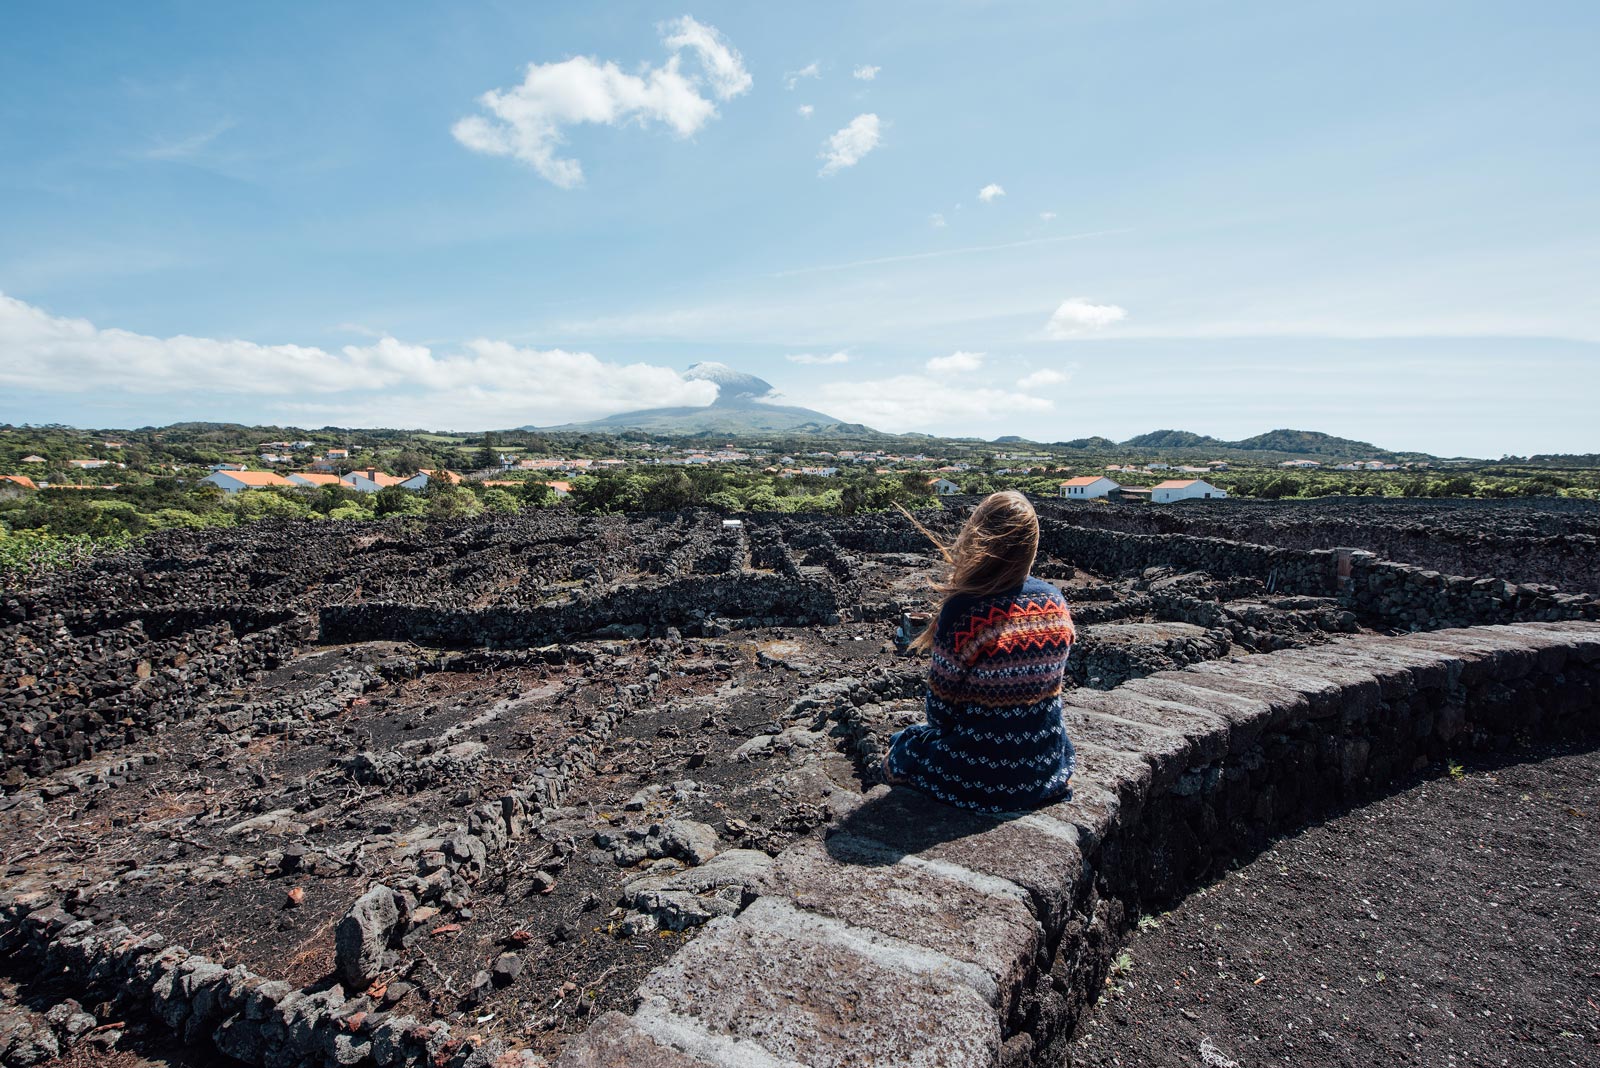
{"x":994,"y":551}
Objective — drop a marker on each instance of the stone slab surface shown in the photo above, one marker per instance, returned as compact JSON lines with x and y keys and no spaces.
{"x":975,"y":918}
{"x":1043,"y":859}
{"x":814,"y":991}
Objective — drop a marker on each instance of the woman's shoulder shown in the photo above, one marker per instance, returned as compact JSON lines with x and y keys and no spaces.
{"x":1038,"y":589}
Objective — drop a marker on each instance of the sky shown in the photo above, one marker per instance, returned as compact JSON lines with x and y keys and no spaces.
{"x":1055,"y":220}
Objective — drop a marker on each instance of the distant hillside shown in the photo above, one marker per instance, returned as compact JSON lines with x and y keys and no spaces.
{"x":1311,"y":442}
{"x":1096,"y":442}
{"x":1171,"y":439}
{"x":742,"y":407}
{"x":1291,"y":442}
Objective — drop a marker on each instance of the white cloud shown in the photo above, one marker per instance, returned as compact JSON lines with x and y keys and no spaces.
{"x":990,"y":193}
{"x":485,"y":383}
{"x":1041,"y":378}
{"x":1078,"y":316}
{"x":806,"y":111}
{"x":956,"y":363}
{"x":936,"y":219}
{"x":723,"y":65}
{"x":528,"y":122}
{"x":794,"y":77}
{"x":917,"y":402}
{"x":815,"y":358}
{"x":1047,"y":215}
{"x":846,"y":147}
{"x":866,"y":73}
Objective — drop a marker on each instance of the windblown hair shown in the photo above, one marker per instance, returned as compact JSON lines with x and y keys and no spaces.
{"x":994,"y":552}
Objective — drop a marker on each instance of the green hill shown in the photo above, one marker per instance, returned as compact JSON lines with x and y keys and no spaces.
{"x":1171,"y":439}
{"x":1310,"y":442}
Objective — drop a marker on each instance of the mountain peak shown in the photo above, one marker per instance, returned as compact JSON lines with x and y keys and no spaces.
{"x":733,"y":387}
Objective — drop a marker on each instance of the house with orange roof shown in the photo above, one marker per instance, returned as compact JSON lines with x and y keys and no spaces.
{"x":235,"y":481}
{"x":370,"y":481}
{"x":1184,"y":489}
{"x":942,"y":486}
{"x":1087,"y":487}
{"x":16,"y":486}
{"x":421,"y":479}
{"x":313,"y":478}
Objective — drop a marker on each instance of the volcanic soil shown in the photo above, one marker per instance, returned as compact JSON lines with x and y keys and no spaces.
{"x":1454,"y":922}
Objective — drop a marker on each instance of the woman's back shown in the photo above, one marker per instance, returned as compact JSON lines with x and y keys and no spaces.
{"x":994,"y":739}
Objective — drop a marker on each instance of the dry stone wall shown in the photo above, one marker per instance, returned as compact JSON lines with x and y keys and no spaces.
{"x":1547,"y":540}
{"x":1383,"y":593}
{"x":916,"y":934}
{"x":628,"y":611}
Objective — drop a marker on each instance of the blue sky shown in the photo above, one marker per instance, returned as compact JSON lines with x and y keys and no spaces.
{"x":1378,"y":220}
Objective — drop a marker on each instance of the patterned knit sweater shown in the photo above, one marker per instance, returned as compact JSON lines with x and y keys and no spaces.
{"x":993,"y":740}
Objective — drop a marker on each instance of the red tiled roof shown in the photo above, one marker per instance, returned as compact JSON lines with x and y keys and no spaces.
{"x":377,"y":477}
{"x":256,"y":479}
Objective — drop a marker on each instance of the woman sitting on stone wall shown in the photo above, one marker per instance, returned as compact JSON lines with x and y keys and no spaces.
{"x":993,"y":740}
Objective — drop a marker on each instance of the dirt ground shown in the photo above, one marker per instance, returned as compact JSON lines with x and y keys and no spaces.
{"x":1455,"y":922}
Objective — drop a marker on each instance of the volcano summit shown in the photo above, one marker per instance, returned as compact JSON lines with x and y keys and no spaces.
{"x":744,"y":404}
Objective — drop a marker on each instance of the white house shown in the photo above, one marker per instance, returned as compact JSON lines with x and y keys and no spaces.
{"x":233,"y":481}
{"x":1184,"y":489}
{"x":369,"y":481}
{"x":1087,"y":486}
{"x":943,"y":486}
{"x":313,"y":479}
{"x":421,"y":479}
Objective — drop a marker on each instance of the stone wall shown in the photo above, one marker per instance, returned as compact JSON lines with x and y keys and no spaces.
{"x":916,"y":934}
{"x":1384,"y":594}
{"x":74,"y":684}
{"x":271,"y":1023}
{"x":625,"y":611}
{"x":1544,"y":540}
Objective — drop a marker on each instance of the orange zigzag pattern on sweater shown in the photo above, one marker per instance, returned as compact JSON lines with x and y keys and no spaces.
{"x":1056,"y":620}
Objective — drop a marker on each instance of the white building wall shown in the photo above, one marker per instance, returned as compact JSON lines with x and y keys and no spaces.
{"x":1197,"y":491}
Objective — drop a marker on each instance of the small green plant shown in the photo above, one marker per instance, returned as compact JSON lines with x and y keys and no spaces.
{"x":1457,"y":772}
{"x":1147,"y":923}
{"x":1122,"y":964}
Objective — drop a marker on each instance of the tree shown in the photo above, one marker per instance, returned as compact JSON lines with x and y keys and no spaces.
{"x":536,"y":493}
{"x":251,"y":505}
{"x":499,"y":501}
{"x":409,"y":462}
{"x":350,"y":510}
{"x":392,"y":500}
{"x":451,"y":502}
{"x":761,"y":499}
{"x":488,"y":456}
